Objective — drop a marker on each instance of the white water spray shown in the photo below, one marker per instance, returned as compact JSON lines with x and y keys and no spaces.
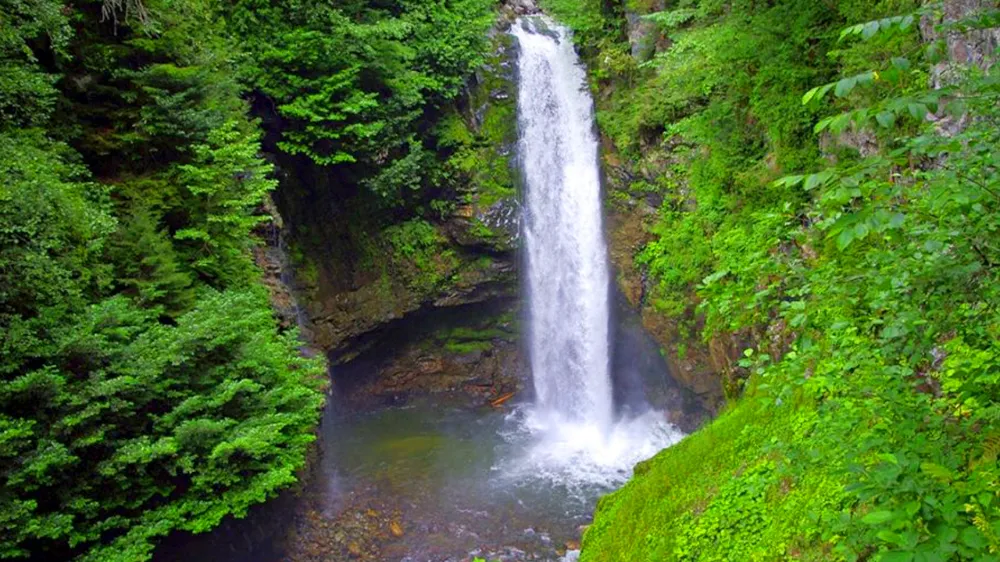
{"x":567,"y":268}
{"x":577,"y":440}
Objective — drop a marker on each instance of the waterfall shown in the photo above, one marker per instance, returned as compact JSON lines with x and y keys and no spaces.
{"x":567,"y":272}
{"x":569,"y":436}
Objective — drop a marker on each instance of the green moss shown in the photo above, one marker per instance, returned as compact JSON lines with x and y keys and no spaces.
{"x":495,"y":180}
{"x":419,"y":255}
{"x":467,"y":347}
{"x":727,"y":492}
{"x":306,"y":270}
{"x":478,"y":337}
{"x":481,"y":334}
{"x":479,"y":229}
{"x":481,"y":150}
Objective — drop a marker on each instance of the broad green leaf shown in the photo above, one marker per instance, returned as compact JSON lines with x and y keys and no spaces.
{"x":889,"y":458}
{"x":788,"y":181}
{"x":917,"y":110}
{"x":937,"y":472}
{"x":973,"y":538}
{"x":715,"y":277}
{"x":852,"y":30}
{"x":933,"y":245}
{"x":823,"y":125}
{"x":886,"y":119}
{"x":845,"y":86}
{"x":870,"y":29}
{"x":815,"y":180}
{"x":877,"y":517}
{"x":810,"y":95}
{"x":891,"y":537}
{"x":845,"y":238}
{"x":840,"y":123}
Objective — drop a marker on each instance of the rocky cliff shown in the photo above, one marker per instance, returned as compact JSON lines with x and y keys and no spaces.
{"x":633,"y":204}
{"x":354,"y":268}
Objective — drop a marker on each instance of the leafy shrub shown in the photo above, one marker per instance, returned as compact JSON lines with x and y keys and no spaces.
{"x":866,"y":283}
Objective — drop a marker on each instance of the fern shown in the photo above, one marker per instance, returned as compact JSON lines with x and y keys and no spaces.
{"x":991,"y":449}
{"x":672,"y":18}
{"x":981,"y":523}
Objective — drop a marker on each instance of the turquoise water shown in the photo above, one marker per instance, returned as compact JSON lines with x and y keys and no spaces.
{"x":443,"y":469}
{"x":459,"y":479}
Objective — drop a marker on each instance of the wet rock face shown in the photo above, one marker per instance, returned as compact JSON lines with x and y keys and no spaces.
{"x":973,"y":48}
{"x":482,"y":375}
{"x":471,"y":353}
{"x":523,"y":7}
{"x":356,"y":273}
{"x":698,"y":367}
{"x":339,"y":321}
{"x":270,"y":260}
{"x":643,"y":35}
{"x":493,"y":228}
{"x":271,"y":256}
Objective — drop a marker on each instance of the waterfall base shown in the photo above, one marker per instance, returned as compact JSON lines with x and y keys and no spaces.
{"x":587,"y":459}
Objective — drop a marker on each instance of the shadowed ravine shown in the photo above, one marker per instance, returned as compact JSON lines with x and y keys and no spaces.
{"x":440,"y":477}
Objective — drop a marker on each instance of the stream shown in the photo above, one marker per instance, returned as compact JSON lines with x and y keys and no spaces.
{"x":446,"y":478}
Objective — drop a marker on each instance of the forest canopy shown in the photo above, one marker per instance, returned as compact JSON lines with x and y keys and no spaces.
{"x":146,"y":386}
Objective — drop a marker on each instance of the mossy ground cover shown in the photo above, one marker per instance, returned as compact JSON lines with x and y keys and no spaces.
{"x":724,"y":493}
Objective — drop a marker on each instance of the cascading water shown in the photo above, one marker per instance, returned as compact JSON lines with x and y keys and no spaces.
{"x":567,"y":274}
{"x":577,"y":442}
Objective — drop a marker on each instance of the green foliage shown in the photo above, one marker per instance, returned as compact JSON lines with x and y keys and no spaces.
{"x":52,"y":233}
{"x":165,"y":421}
{"x":27,"y":95}
{"x":480,"y":155}
{"x":144,"y":386}
{"x":585,"y":17}
{"x":355,"y":84}
{"x":148,"y":268}
{"x":421,"y":253}
{"x":598,"y":34}
{"x":224,"y":183}
{"x":866,"y":282}
{"x":137,"y":98}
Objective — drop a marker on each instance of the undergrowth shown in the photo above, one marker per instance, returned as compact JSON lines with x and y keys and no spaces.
{"x":838,"y":217}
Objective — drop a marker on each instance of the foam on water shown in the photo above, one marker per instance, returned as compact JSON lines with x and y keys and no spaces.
{"x":582,"y":457}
